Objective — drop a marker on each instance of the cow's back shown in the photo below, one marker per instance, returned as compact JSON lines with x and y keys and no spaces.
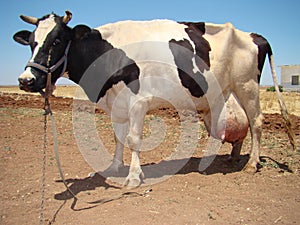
{"x":233,"y":54}
{"x":127,"y":32}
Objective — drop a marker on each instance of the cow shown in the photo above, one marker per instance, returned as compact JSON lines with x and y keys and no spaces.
{"x":203,"y":60}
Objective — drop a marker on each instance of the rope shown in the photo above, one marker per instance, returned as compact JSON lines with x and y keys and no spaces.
{"x":47,"y":111}
{"x":54,"y":133}
{"x":43,"y":169}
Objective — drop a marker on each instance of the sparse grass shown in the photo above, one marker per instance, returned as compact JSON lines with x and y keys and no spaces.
{"x":269,"y":102}
{"x":6,"y":148}
{"x":269,"y":164}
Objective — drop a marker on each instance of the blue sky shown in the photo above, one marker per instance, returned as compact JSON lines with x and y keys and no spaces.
{"x":278,"y":21}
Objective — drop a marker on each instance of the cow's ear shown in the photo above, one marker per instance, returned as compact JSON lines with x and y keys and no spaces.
{"x":22,"y":37}
{"x":80,"y":31}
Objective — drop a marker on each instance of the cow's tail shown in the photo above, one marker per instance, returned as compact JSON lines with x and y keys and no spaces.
{"x":283,"y":108}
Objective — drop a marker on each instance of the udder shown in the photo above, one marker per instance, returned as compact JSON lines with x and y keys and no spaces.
{"x":232,"y":124}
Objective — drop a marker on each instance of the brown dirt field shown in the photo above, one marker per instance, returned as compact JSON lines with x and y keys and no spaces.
{"x":222,"y":194}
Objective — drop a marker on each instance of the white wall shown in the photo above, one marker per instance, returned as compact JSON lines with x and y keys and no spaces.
{"x":287,"y":72}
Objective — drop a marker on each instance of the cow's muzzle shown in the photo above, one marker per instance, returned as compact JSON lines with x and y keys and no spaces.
{"x":27,"y":83}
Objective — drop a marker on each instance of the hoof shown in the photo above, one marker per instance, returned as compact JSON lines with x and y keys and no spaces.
{"x":230,"y":163}
{"x":116,"y":166}
{"x":133,"y":180}
{"x":115,"y":169}
{"x":233,"y":161}
{"x":250,"y":168}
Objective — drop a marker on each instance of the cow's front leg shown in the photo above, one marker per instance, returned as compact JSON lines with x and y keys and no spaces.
{"x":134,"y":140}
{"x":135,"y":172}
{"x":120,"y":132}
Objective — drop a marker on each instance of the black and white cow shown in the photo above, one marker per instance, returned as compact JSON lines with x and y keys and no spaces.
{"x":140,"y":60}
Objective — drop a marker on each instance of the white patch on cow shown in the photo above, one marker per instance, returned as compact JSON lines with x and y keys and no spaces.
{"x":148,"y":42}
{"x":195,"y":68}
{"x":43,"y":29}
{"x":27,"y":74}
{"x":154,"y":30}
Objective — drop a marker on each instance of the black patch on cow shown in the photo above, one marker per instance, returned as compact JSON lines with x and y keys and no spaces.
{"x":199,"y":25}
{"x":46,"y":17}
{"x":196,"y":32}
{"x":183,"y":53}
{"x":96,"y":65}
{"x":264,"y":48}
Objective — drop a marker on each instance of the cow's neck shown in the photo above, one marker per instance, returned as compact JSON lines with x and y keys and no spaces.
{"x":96,"y":66}
{"x":84,"y":52}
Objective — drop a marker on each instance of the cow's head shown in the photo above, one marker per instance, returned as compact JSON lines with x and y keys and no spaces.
{"x":48,"y":43}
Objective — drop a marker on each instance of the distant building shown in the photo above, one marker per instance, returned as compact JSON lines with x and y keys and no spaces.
{"x":290,"y":77}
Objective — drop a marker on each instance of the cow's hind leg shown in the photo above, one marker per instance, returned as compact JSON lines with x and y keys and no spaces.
{"x":134,"y":140}
{"x":255,"y":128}
{"x":249,"y":98}
{"x":235,"y":152}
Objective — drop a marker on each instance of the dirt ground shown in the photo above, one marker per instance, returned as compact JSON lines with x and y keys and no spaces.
{"x":222,"y":194}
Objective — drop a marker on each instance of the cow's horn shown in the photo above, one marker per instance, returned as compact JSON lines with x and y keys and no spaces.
{"x":29,"y":19}
{"x":67,"y":17}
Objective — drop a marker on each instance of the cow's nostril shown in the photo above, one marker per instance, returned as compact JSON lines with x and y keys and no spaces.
{"x":26,"y":81}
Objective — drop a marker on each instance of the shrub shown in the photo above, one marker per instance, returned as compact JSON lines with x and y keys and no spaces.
{"x":272,"y":89}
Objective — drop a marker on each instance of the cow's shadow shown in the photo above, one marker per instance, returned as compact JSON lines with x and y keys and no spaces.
{"x":161,"y":170}
{"x":152,"y":171}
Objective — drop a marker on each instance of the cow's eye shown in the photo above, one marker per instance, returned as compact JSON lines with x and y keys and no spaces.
{"x":56,"y":42}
